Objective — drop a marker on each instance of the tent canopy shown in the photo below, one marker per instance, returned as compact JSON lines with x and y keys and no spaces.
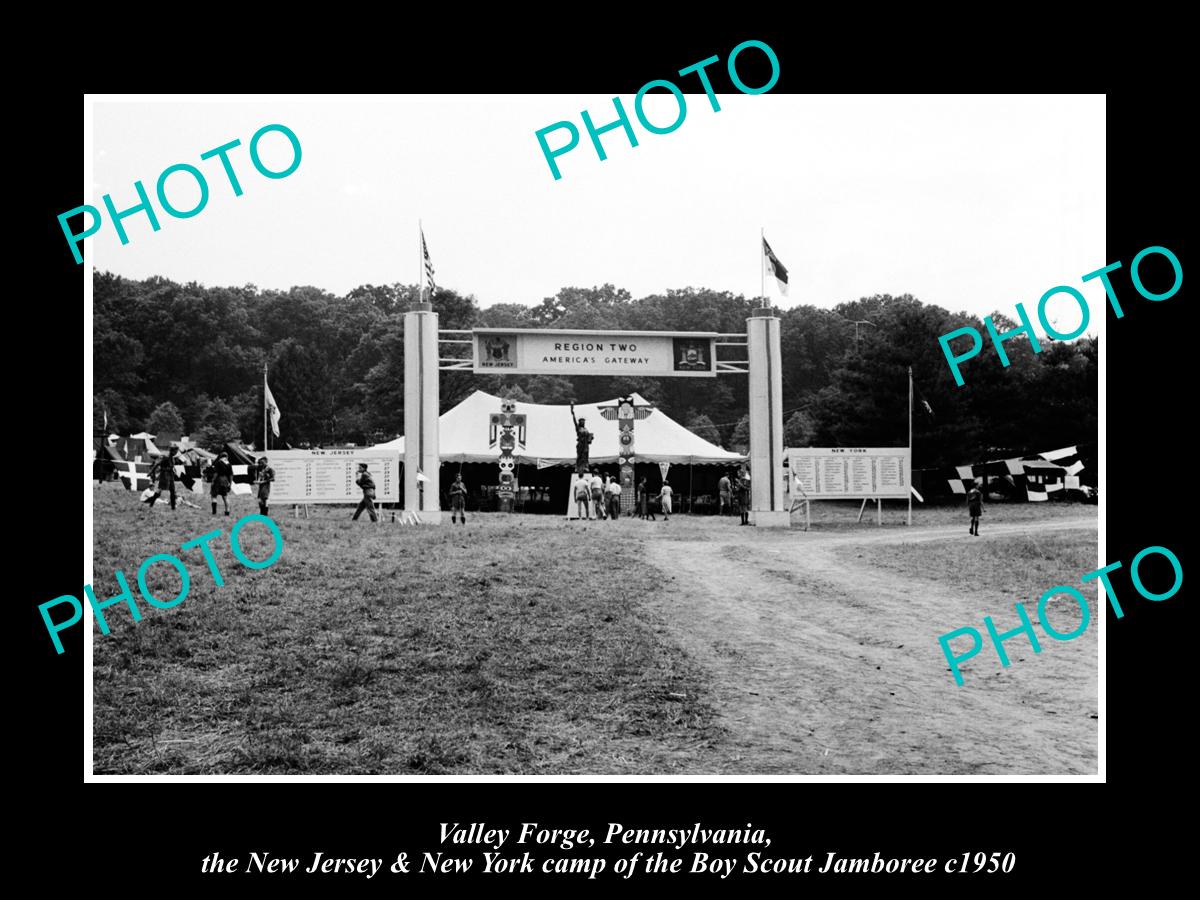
{"x":239,"y":455}
{"x":550,"y":436}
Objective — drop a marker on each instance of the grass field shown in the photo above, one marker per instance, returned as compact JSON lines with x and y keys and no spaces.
{"x":515,"y":645}
{"x":370,"y":649}
{"x":838,"y":515}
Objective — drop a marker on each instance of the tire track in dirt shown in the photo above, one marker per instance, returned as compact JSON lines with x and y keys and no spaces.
{"x":825,"y":666}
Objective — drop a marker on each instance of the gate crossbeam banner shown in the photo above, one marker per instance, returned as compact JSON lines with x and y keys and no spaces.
{"x":541,"y":351}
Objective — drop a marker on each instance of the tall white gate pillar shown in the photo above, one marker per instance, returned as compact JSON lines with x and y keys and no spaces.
{"x":421,"y":452}
{"x":766,"y":422}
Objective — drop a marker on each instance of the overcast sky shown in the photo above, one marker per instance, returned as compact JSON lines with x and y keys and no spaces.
{"x":967,"y":202}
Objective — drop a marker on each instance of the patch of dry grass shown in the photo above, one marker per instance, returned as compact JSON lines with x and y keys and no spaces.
{"x":1000,"y":570}
{"x":515,"y":645}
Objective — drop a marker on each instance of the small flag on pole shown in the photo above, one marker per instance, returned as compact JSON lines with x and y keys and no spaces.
{"x":272,"y":409}
{"x":428,"y":266}
{"x":775,"y":267}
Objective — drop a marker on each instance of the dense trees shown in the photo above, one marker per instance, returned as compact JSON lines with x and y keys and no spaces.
{"x":215,"y":423}
{"x":703,"y":426}
{"x":165,"y":420}
{"x":337,"y":367}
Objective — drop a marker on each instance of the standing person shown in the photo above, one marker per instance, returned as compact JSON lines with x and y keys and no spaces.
{"x":103,"y":466}
{"x":974,"y":509}
{"x":367,"y":483}
{"x":665,"y":496}
{"x":583,"y":439}
{"x":458,"y":500}
{"x":265,"y":476}
{"x":583,"y":496}
{"x":724,"y":494}
{"x":614,"y":499}
{"x":163,"y":474}
{"x":643,"y":501}
{"x":222,"y":483}
{"x":743,"y":496}
{"x":597,"y":484}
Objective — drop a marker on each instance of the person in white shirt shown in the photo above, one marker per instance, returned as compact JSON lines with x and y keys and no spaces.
{"x":614,"y":499}
{"x":598,"y":495}
{"x":583,"y":497}
{"x":665,"y":496}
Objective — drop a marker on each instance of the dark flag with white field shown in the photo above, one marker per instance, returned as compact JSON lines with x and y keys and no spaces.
{"x":134,"y":475}
{"x":775,"y":267}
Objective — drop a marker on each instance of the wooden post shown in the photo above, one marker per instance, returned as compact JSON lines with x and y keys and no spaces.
{"x":910,"y":444}
{"x":691,"y":501}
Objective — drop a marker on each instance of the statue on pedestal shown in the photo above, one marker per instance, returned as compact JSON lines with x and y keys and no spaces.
{"x":583,"y":440}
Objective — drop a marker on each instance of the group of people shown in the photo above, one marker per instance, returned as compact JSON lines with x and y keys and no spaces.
{"x":644,"y":497}
{"x":220,"y":474}
{"x":163,"y":479}
{"x":729,"y":491}
{"x":597,"y":497}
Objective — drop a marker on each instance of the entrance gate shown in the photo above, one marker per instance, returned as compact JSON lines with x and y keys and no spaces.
{"x":516,"y":351}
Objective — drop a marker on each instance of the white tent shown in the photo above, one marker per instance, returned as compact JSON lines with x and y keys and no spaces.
{"x":463,"y":435}
{"x":134,"y":451}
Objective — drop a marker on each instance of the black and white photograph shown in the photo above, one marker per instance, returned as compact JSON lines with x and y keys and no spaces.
{"x":528,"y":435}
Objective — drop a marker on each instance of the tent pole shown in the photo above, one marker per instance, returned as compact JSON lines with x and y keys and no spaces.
{"x":691,"y":473}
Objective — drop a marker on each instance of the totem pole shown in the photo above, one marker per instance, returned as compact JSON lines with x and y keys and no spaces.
{"x":625,"y":414}
{"x":503,"y":425}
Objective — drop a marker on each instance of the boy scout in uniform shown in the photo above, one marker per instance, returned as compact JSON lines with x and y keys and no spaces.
{"x":164,"y":471}
{"x":265,"y":476}
{"x":458,"y":500}
{"x":367,"y":483}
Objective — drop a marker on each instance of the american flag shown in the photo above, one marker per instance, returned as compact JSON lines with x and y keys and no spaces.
{"x":428,"y":266}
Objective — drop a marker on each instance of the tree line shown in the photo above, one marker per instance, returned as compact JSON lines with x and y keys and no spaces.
{"x":185,"y":358}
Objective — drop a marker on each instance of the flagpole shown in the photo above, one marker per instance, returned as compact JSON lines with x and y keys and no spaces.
{"x":762,"y":269}
{"x":421,"y":261}
{"x":910,"y":444}
{"x":264,"y":407}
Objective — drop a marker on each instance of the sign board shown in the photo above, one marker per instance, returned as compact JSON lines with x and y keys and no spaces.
{"x":539,"y":351}
{"x":846,"y":473}
{"x":327,"y":476}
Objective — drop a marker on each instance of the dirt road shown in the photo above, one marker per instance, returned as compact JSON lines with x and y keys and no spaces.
{"x":825,"y":663}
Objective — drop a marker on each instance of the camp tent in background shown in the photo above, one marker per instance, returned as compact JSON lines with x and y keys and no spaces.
{"x":544,"y":465}
{"x":106,"y":461}
{"x":141,"y":445}
{"x":463,"y":436}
